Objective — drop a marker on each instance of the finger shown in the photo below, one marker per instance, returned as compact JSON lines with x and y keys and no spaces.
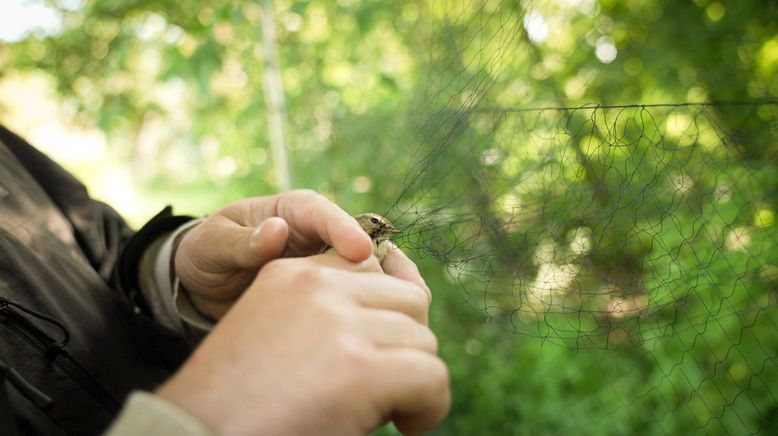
{"x":416,"y":389}
{"x":397,"y":264}
{"x":317,"y":217}
{"x":348,"y":238}
{"x":334,"y":260}
{"x":327,"y":268}
{"x":380,"y":291}
{"x":387,"y":328}
{"x":369,"y":288}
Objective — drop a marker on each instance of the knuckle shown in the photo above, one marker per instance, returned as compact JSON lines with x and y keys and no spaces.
{"x":303,"y":192}
{"x":427,"y":292}
{"x":432,"y":340}
{"x":440,"y":372}
{"x":429,"y":374}
{"x":306,"y":195}
{"x":312,"y":277}
{"x":420,"y":336}
{"x":254,"y":208}
{"x":417,"y":299}
{"x":353,"y":354}
{"x":292,"y":199}
{"x":430,"y":371}
{"x":413,"y":270}
{"x":414,"y":365}
{"x":328,"y":307}
{"x":422,"y":296}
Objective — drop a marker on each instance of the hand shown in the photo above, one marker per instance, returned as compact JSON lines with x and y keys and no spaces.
{"x":320,"y":345}
{"x":218,"y":259}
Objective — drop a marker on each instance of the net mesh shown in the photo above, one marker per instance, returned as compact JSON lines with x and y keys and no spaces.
{"x":640,"y":229}
{"x":598,"y":177}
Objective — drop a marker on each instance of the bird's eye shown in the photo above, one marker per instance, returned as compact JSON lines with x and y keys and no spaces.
{"x":374,"y":220}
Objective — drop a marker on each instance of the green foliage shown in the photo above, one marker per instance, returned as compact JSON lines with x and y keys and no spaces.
{"x":420,"y":109}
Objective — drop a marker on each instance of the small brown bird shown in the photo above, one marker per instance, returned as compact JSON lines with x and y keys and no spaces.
{"x":380,"y":230}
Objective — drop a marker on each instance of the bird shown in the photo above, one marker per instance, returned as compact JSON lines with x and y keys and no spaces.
{"x":378,"y":228}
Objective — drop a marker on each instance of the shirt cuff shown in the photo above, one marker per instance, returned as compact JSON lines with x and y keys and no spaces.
{"x":167,"y":299}
{"x":146,"y":413}
{"x":155,"y":294}
{"x":173,"y":296}
{"x":186,"y":310}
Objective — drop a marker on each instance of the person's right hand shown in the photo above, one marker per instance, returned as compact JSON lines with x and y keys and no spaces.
{"x":320,"y":345}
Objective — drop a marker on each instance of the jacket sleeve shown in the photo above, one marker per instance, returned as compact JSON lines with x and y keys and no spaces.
{"x":113,"y":249}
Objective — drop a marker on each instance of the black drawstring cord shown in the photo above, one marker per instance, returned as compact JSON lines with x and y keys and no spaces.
{"x":43,"y":401}
{"x":35,"y":395}
{"x":53,"y":348}
{"x":65,"y":333}
{"x":7,"y":421}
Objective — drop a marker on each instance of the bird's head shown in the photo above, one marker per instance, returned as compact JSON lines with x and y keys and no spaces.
{"x":378,"y":227}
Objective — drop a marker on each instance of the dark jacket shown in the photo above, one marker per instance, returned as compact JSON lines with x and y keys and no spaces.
{"x":75,"y":333}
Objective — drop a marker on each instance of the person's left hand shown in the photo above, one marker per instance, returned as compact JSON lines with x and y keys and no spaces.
{"x":217,"y":259}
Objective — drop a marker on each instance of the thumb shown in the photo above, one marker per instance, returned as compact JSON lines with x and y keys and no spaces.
{"x":265,"y":243}
{"x":220,"y":245}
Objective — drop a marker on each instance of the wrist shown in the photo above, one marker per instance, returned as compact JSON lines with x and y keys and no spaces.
{"x":202,"y":391}
{"x":184,"y":395}
{"x":208,"y":309}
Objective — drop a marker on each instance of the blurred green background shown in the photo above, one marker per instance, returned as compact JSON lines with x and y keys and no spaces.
{"x":596,"y":270}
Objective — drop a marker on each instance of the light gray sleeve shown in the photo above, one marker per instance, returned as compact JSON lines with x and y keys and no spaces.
{"x":168,"y":300}
{"x":147,"y":414}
